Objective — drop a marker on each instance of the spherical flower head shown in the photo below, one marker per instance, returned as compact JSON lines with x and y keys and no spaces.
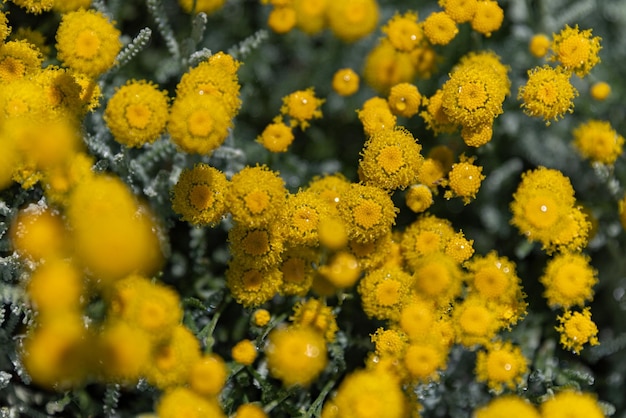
{"x":125,"y":351}
{"x":201,"y":6}
{"x":460,"y":11}
{"x":346,"y":82}
{"x":389,"y":342}
{"x":572,"y":404}
{"x":252,"y":286}
{"x":261,"y":317}
{"x":208,"y":375}
{"x":39,"y":234}
{"x":296,"y":356}
{"x":488,"y":17}
{"x":276,"y":137}
{"x":600,"y":90}
{"x":417,"y":318}
{"x":459,"y":248}
{"x":171,"y":361}
{"x":475,"y":322}
{"x":199,"y":196}
{"x":391,"y":159}
{"x":385,"y":67}
{"x":367,"y":393}
{"x":403,"y":31}
{"x":464,"y":180}
{"x":376,"y":116}
{"x":437,"y":277}
{"x":18,"y":59}
{"x":367,"y":211}
{"x":423,"y":360}
{"x":418,"y":198}
{"x":477,"y":136}
{"x":332,"y":233}
{"x":492,"y":277}
{"x":282,"y":19}
{"x":311,"y":15}
{"x":384,"y":291}
{"x":548,"y":93}
{"x":330,"y":188}
{"x":35,"y":6}
{"x":351,"y":20}
{"x":576,"y":50}
{"x":257,"y":196}
{"x":539,"y":45}
{"x":597,"y":141}
{"x":250,"y":410}
{"x":501,"y":366}
{"x":435,"y":115}
{"x":62,"y":91}
{"x":56,"y":286}
{"x":87,"y":42}
{"x":301,"y":107}
{"x":302,"y":215}
{"x":428,"y":234}
{"x":5,"y":29}
{"x":404,"y":99}
{"x":510,"y":406}
{"x":182,"y":401}
{"x":198,"y":123}
{"x":137,"y":113}
{"x":315,"y":314}
{"x":256,"y":247}
{"x":568,"y":280}
{"x":440,"y":28}
{"x":297,"y":270}
{"x":342,"y":271}
{"x":244,"y":352}
{"x":577,"y":329}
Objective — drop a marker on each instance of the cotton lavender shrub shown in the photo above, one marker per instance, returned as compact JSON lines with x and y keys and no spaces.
{"x":311,"y":208}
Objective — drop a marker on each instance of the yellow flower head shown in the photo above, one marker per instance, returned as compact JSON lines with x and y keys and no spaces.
{"x":351,"y":20}
{"x":124,"y":351}
{"x":391,"y":159}
{"x":345,"y":82}
{"x":34,"y":37}
{"x":493,"y":277}
{"x":376,"y":116}
{"x":18,"y":59}
{"x":61,"y":90}
{"x":332,"y":233}
{"x":314,"y":313}
{"x":577,"y":329}
{"x":39,"y":234}
{"x":87,"y":42}
{"x":282,"y":19}
{"x":539,"y":45}
{"x":35,"y":6}
{"x":256,"y":247}
{"x":171,"y":361}
{"x":199,"y":196}
{"x":440,"y":28}
{"x":389,"y":342}
{"x":475,"y":322}
{"x":384,"y":291}
{"x":276,"y":137}
{"x":437,"y":277}
{"x":311,"y":15}
{"x":576,"y":50}
{"x":244,"y":352}
{"x":459,"y":248}
{"x":56,"y":286}
{"x":208,"y":375}
{"x":600,"y":90}
{"x":428,"y":234}
{"x":302,"y":214}
{"x":182,"y":401}
{"x":510,"y":406}
{"x":198,"y":123}
{"x":404,"y":32}
{"x":385,"y":66}
{"x":488,"y":17}
{"x":5,"y":29}
{"x":460,"y":11}
{"x":404,"y":99}
{"x":424,"y":359}
{"x":501,"y":366}
{"x":257,"y":196}
{"x":419,"y":198}
{"x":261,"y":317}
{"x":367,"y":211}
{"x":568,"y":280}
{"x":477,"y":136}
{"x":297,"y":270}
{"x":252,"y":286}
{"x":330,"y":188}
{"x":372,"y":254}
{"x":204,"y":6}
{"x":597,"y":141}
{"x":464,"y":179}
{"x":137,"y":113}
{"x":548,"y":93}
{"x":302,"y":106}
{"x":572,"y":404}
{"x":70,"y":5}
{"x":250,"y":410}
{"x":417,"y":318}
{"x":342,"y":271}
{"x":296,"y":356}
{"x":435,"y":116}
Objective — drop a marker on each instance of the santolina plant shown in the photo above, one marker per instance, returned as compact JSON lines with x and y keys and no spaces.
{"x":310,"y":208}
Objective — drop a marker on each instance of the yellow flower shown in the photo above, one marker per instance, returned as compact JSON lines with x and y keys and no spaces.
{"x":137,"y":113}
{"x":539,"y":45}
{"x":310,"y":15}
{"x":404,"y":99}
{"x":342,"y":270}
{"x":376,"y":116}
{"x":417,"y":318}
{"x":258,"y":247}
{"x":345,"y":82}
{"x":198,"y":124}
{"x":124,"y":351}
{"x":435,"y":115}
{"x":171,"y":362}
{"x":576,"y":50}
{"x":391,"y":159}
{"x":56,"y":286}
{"x":332,"y":233}
{"x":464,"y":179}
{"x":572,"y":404}
{"x":296,"y":356}
{"x":297,"y":270}
{"x":440,"y":28}
{"x":600,"y":90}
{"x":39,"y":234}
{"x":5,"y":29}
{"x":282,"y":19}
{"x":87,"y":42}
{"x":200,"y":195}
{"x":276,"y":137}
{"x":250,"y":410}
{"x":475,"y":322}
{"x":424,"y":359}
{"x":302,"y":106}
{"x":510,"y":406}
{"x":385,"y":67}
{"x":428,"y":234}
{"x":208,"y":375}
{"x":389,"y":342}
{"x":501,"y":366}
{"x":403,"y":31}
{"x":244,"y":352}
{"x":18,"y":59}
{"x":257,"y":196}
{"x":548,"y":93}
{"x":459,"y":248}
{"x":419,"y":198}
{"x":351,"y":20}
{"x":330,"y":188}
{"x":302,"y":215}
{"x":367,"y":393}
{"x":568,"y":280}
{"x":367,"y":211}
{"x":597,"y":141}
{"x":70,"y":5}
{"x":437,"y":277}
{"x":315,"y":314}
{"x":488,"y":17}
{"x":180,"y":401}
{"x":261,"y":317}
{"x":384,"y":291}
{"x":204,"y":6}
{"x":252,"y":286}
{"x":372,"y":254}
{"x":35,"y":6}
{"x":577,"y":329}
{"x":61,"y":90}
{"x":424,"y":60}
{"x":476,"y":136}
{"x":34,"y":37}
{"x":493,"y":277}
{"x":460,"y":10}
